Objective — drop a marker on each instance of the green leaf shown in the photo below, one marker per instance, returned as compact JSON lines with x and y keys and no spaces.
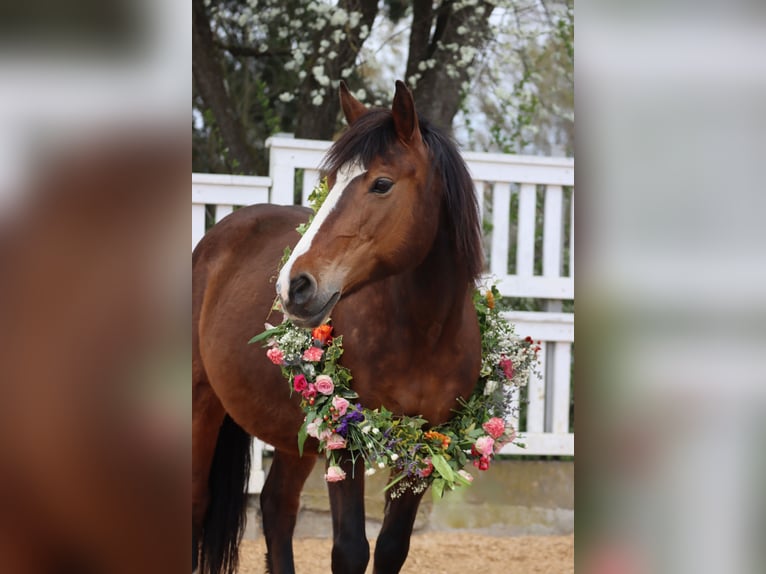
{"x":265,"y":335}
{"x":437,"y":489}
{"x":461,"y":480}
{"x":302,"y":434}
{"x":443,"y":468}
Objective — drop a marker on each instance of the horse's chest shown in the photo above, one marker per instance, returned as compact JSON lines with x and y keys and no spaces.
{"x":414,"y":383}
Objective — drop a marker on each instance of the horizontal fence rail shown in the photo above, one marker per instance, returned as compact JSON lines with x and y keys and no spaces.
{"x":527,"y":209}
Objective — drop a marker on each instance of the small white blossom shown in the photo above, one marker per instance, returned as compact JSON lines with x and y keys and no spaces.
{"x":286,"y":97}
{"x":339,"y":17}
{"x":317,"y":100}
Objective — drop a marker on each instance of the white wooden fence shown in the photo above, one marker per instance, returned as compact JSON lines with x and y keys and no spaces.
{"x":528,"y":201}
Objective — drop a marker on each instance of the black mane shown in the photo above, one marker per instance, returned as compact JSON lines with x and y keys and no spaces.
{"x":373,"y":135}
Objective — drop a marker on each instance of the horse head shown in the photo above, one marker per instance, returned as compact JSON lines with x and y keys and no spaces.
{"x":381,"y":214}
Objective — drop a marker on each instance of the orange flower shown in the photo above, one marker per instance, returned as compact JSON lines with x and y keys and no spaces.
{"x":323,"y":334}
{"x":490,"y":300}
{"x":433,"y":435}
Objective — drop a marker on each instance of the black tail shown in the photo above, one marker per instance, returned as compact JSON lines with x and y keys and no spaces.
{"x":225,"y":518}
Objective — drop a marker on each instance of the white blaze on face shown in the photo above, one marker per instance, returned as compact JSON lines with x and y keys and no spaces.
{"x":344,"y":176}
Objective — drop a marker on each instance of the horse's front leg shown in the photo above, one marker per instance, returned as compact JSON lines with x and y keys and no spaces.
{"x":350,"y":549}
{"x":280,"y":501}
{"x":394,"y":539}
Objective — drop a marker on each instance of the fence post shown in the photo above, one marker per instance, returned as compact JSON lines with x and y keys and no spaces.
{"x":282,"y":174}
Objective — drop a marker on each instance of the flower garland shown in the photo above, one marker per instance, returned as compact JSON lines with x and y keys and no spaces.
{"x":435,"y":456}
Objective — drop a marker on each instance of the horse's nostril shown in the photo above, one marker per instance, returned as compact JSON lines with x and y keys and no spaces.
{"x":302,"y":289}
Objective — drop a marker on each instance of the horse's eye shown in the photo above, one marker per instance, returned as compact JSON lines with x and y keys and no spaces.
{"x":382,"y":185}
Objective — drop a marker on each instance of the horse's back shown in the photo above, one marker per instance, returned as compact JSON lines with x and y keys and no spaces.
{"x":234,"y":269}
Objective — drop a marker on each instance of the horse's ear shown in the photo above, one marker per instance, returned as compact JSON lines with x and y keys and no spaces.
{"x":405,"y":117}
{"x":353,"y":109}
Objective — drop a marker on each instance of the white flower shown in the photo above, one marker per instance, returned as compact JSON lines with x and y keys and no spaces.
{"x":339,"y":17}
{"x":381,"y":464}
{"x":490,"y":388}
{"x":286,"y":97}
{"x":375,"y":430}
{"x":366,"y":429}
{"x":317,"y":100}
{"x":394,"y":456}
{"x":370,"y":471}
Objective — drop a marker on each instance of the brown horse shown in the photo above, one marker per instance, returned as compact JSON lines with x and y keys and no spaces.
{"x":393,"y":253}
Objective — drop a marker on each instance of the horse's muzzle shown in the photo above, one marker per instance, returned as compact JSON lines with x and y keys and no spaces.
{"x":306,"y":304}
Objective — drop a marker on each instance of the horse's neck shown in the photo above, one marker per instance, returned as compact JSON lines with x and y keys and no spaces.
{"x":412,"y":340}
{"x":417,"y":305}
{"x":433,"y":294}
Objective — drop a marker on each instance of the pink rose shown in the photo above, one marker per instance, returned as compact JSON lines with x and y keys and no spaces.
{"x":299,"y":383}
{"x":324,"y":385}
{"x":505,"y":439}
{"x":324,"y":435}
{"x":494,"y":427}
{"x":312,"y":429}
{"x":334,"y":474}
{"x":275,"y":355}
{"x":335,"y":442}
{"x":340,"y":404}
{"x":424,"y":472}
{"x":312,"y":354}
{"x":507,"y":367}
{"x":310,"y":391}
{"x":484,"y":445}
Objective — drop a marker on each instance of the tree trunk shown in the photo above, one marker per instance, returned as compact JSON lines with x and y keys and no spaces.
{"x":208,"y":78}
{"x":320,"y":121}
{"x":438,"y":93}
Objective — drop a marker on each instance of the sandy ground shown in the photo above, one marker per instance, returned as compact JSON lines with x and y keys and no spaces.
{"x":440,"y":553}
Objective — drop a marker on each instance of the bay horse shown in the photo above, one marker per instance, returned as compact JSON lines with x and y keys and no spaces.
{"x":393,"y":253}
